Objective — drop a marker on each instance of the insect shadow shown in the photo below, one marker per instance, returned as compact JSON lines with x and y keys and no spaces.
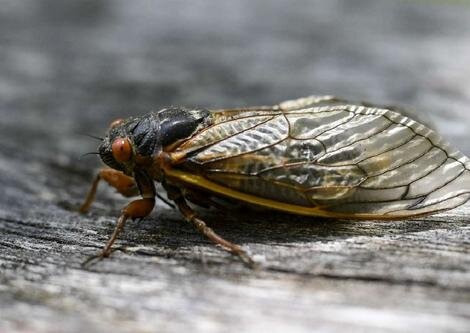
{"x":167,"y":228}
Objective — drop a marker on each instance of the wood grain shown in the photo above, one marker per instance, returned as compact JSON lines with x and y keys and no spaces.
{"x":73,"y":68}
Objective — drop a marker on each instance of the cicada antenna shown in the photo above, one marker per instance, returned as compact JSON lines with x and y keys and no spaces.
{"x":90,"y":153}
{"x":92,"y":136}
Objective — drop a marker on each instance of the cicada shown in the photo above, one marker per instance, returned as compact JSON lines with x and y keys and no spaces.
{"x":318,"y":156}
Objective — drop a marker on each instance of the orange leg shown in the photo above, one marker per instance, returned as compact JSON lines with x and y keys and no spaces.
{"x":202,"y":227}
{"x":190,"y":215}
{"x":137,"y":209}
{"x":123,"y":184}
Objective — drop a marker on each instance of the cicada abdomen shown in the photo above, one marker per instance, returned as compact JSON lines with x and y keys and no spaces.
{"x":323,"y":156}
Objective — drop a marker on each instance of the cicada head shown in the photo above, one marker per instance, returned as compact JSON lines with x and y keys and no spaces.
{"x":130,"y":141}
{"x":117,"y":148}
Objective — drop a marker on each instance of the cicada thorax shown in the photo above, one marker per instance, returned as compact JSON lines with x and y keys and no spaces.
{"x":157,"y":134}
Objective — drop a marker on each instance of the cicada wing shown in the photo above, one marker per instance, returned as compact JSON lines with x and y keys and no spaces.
{"x":330,"y":100}
{"x":347,"y":160}
{"x":408,"y":168}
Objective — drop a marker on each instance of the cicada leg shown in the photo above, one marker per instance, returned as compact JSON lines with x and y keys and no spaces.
{"x":137,"y":209}
{"x":123,"y":184}
{"x":190,"y":215}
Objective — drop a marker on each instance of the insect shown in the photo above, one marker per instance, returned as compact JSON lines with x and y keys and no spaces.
{"x":317,"y":156}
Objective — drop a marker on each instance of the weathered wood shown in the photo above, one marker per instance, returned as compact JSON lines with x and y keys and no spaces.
{"x":72,"y":68}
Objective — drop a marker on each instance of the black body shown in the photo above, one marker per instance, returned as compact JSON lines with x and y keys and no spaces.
{"x":153,"y":131}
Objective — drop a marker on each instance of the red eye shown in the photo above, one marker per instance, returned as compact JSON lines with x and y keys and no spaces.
{"x":122,"y":149}
{"x":116,"y":122}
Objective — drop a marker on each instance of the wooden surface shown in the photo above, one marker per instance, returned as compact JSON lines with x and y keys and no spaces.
{"x":70,"y":68}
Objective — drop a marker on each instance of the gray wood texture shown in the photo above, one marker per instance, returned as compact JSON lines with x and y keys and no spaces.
{"x":72,"y":67}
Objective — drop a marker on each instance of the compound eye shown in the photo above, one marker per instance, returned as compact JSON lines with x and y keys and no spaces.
{"x":116,"y":123}
{"x":122,"y":149}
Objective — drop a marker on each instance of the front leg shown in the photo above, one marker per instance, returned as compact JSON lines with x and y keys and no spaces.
{"x":137,"y":209}
{"x":123,"y":184}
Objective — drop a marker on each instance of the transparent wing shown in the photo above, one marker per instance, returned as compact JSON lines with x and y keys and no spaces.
{"x":321,"y":152}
